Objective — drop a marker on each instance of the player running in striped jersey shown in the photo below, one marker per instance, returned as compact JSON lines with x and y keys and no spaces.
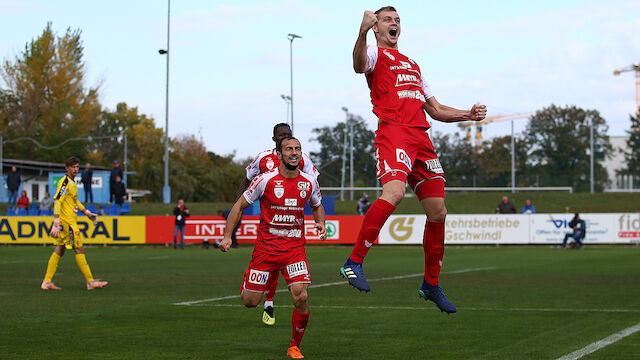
{"x":267,"y":161}
{"x":280,"y":245}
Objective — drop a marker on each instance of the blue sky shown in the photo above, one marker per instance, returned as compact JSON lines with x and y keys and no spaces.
{"x":230,"y":60}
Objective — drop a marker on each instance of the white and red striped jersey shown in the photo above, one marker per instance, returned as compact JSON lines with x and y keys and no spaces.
{"x":269,"y":160}
{"x":282,"y":203}
{"x":398,"y":89}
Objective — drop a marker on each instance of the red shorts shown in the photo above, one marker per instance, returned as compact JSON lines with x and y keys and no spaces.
{"x":264,"y":268}
{"x":406,"y":154}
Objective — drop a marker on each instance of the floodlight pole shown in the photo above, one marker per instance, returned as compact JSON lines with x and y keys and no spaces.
{"x":166,"y":190}
{"x":291,"y":37}
{"x":592,"y":157}
{"x":513,"y":160}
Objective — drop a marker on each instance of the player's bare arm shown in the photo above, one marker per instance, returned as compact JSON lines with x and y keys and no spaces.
{"x":445,"y":113}
{"x":360,"y":58}
{"x":55,"y":229}
{"x":232,"y":221}
{"x":320,"y":218}
{"x":243,"y":187}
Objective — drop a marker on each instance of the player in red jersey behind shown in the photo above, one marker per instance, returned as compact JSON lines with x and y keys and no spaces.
{"x":267,"y":161}
{"x":403,"y":149}
{"x":279,"y":247}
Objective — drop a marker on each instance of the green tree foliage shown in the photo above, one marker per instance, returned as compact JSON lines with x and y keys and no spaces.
{"x":329,"y":159}
{"x":632,"y":157}
{"x":559,"y":142}
{"x":45,"y":98}
{"x":458,"y":158}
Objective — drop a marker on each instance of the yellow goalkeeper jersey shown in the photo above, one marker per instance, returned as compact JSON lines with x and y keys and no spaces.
{"x":66,"y":200}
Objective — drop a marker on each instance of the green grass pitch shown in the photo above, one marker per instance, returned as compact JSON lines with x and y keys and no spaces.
{"x":513,"y":303}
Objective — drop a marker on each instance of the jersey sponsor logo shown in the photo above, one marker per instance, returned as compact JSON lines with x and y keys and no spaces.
{"x":303,"y":194}
{"x":279,"y":218}
{"x":434,"y":166}
{"x":389,"y":55}
{"x":401,"y":156}
{"x":296,"y":269}
{"x":258,"y":277}
{"x":290,"y":202}
{"x":407,"y":79}
{"x":278,"y":192}
{"x":404,"y":66}
{"x":304,"y":185}
{"x":411,"y":94}
{"x":63,"y":188}
{"x":294,"y":233}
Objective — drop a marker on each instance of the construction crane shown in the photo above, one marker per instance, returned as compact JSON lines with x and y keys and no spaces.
{"x":488,"y":120}
{"x":633,"y":67}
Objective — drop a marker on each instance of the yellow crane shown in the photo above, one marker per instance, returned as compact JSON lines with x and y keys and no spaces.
{"x":488,"y":120}
{"x":636,"y":68}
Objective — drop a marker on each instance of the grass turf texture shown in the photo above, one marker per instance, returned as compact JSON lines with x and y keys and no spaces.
{"x":134,"y":316}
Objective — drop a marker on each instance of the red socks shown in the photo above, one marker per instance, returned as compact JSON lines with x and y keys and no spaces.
{"x":299,"y":323}
{"x":378,"y":213}
{"x":433,"y":245}
{"x":270,"y":292}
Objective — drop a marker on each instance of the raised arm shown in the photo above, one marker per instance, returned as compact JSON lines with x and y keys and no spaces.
{"x":360,"y":58}
{"x":445,"y":113}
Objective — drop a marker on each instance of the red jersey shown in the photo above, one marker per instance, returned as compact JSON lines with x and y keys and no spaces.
{"x":269,"y":160}
{"x":398,"y":91}
{"x":282,"y":203}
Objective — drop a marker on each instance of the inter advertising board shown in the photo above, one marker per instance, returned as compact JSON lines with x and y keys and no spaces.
{"x":160,"y":229}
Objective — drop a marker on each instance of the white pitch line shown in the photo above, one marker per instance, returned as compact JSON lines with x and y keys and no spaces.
{"x":412,"y":308}
{"x":339,"y":283}
{"x":601,"y":343}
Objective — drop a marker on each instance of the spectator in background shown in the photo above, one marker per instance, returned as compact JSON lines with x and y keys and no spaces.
{"x":115,"y":172}
{"x":23,"y":202}
{"x":363,"y":204}
{"x":119,"y":191}
{"x":528,"y":207}
{"x":13,"y":184}
{"x":181,"y":212}
{"x":87,"y":177}
{"x":505,"y":207}
{"x":579,"y":231}
{"x":45,"y":203}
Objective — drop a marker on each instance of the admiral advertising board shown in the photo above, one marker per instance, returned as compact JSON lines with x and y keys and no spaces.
{"x":108,"y":230}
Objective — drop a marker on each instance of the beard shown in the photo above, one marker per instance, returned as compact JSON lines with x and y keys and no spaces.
{"x":289,"y":166}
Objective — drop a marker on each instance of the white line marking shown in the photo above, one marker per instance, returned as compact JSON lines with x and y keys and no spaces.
{"x":601,"y":343}
{"x":340,"y":307}
{"x":338,"y":283}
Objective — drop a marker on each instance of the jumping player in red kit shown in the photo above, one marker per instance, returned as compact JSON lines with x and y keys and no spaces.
{"x":279,"y":247}
{"x":403,"y":149}
{"x":267,"y":161}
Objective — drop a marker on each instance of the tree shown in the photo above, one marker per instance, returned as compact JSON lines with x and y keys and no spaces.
{"x":329,"y":159}
{"x":45,"y":98}
{"x":457,"y":157}
{"x":632,"y":158}
{"x":559,"y":142}
{"x":494,"y":162}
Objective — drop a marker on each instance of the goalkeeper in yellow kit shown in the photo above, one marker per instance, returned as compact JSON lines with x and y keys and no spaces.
{"x":65,"y":228}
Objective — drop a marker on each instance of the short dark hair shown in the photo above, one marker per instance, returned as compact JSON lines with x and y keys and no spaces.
{"x":275,"y":128}
{"x":71,"y":161}
{"x":385,"y":8}
{"x":279,"y":143}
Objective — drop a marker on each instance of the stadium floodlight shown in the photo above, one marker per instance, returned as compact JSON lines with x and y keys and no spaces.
{"x":291,"y":37}
{"x":287,"y":99}
{"x":166,"y":190}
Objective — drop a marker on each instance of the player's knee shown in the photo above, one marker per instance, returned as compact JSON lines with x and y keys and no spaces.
{"x":250,"y":301}
{"x":301,"y":299}
{"x":438,"y":215}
